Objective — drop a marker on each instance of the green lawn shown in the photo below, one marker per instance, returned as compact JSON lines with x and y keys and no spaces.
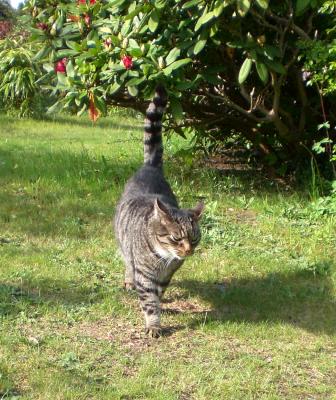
{"x":251,"y":315}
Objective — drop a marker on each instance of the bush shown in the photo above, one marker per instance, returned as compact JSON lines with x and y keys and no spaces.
{"x":21,"y":93}
{"x":230,"y":66}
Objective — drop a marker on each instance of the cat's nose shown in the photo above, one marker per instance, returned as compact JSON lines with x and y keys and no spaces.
{"x":188,"y":251}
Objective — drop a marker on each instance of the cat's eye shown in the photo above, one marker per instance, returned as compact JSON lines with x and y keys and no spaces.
{"x":174,"y":239}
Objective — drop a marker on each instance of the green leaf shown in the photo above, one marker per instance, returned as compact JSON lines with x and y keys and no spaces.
{"x":301,"y":6}
{"x":126,"y":28}
{"x":176,"y":65}
{"x":190,"y":4}
{"x":244,"y":70}
{"x":82,"y":110}
{"x":116,"y":3}
{"x":199,"y":46}
{"x":100,"y":104}
{"x":276,"y":66}
{"x":243,"y":7}
{"x":59,"y":23}
{"x":204,"y":19}
{"x":62,"y":79}
{"x":262,"y":71}
{"x":263,"y":3}
{"x":135,"y":52}
{"x":135,"y":81}
{"x":42,"y":53}
{"x":235,"y":44}
{"x":185,"y":85}
{"x":133,"y":44}
{"x":117,"y":67}
{"x":70,"y":69}
{"x":133,"y":90}
{"x":91,"y":44}
{"x":73,"y":45}
{"x":176,"y":109}
{"x":67,"y":53}
{"x":105,"y":29}
{"x":55,"y":107}
{"x":135,"y":12}
{"x":153,"y":21}
{"x":48,"y":67}
{"x":160,"y":4}
{"x":114,"y":88}
{"x":173,"y":55}
{"x":271,"y":52}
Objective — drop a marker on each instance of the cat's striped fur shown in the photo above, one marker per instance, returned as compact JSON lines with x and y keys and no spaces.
{"x":154,"y":234}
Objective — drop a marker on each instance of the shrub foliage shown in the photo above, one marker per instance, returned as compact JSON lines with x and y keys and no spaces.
{"x":230,"y":66}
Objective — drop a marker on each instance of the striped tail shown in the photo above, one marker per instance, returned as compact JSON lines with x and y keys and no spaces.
{"x":153,"y":148}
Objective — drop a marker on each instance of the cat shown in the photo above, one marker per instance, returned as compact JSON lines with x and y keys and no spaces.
{"x":153,"y":233}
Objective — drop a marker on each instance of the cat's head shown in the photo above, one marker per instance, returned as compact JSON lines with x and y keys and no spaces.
{"x":176,"y":231}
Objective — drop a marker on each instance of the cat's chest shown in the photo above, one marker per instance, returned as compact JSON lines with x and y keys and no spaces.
{"x":167,"y":267}
{"x":167,"y":262}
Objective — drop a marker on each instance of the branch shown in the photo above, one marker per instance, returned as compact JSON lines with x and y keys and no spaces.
{"x":303,"y":100}
{"x":224,"y":99}
{"x":257,"y":105}
{"x":262,"y":21}
{"x":290,"y":22}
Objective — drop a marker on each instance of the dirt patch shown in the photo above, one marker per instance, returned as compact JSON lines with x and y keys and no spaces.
{"x":183,"y":306}
{"x":230,"y":160}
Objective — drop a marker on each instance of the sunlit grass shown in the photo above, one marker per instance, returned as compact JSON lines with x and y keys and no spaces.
{"x":252,"y":314}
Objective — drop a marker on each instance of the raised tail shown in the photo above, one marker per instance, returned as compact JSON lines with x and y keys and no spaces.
{"x":153,"y":148}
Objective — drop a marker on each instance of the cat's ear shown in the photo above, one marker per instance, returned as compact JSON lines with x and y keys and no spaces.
{"x":162,"y":212}
{"x":198,"y":210}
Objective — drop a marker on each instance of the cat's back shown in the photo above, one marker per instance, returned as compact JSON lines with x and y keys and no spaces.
{"x":137,"y":201}
{"x":148,"y":181}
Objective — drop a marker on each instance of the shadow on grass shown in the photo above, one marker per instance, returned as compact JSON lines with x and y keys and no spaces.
{"x":299,"y":298}
{"x":53,"y":192}
{"x":106,"y":123}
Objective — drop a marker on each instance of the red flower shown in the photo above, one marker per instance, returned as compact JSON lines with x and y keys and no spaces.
{"x":107,"y":43}
{"x":42,"y":26}
{"x":127,"y":61}
{"x":92,"y":2}
{"x":61,"y":66}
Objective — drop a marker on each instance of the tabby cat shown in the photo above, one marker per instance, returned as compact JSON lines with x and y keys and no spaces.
{"x":154,"y":234}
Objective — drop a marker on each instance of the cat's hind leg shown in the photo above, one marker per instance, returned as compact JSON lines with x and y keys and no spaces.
{"x":129,"y":273}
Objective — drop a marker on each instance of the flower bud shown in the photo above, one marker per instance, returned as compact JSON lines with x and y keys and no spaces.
{"x":125,"y":43}
{"x":53,"y":29}
{"x":127,"y":61}
{"x":162,"y":63}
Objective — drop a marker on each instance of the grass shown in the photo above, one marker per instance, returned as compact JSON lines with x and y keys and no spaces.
{"x":250,"y":316}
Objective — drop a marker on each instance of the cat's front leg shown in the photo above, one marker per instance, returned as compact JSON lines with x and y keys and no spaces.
{"x":150,"y":303}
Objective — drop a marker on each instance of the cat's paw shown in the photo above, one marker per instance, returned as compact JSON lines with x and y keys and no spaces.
{"x":129,"y":286}
{"x":154,"y":331}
